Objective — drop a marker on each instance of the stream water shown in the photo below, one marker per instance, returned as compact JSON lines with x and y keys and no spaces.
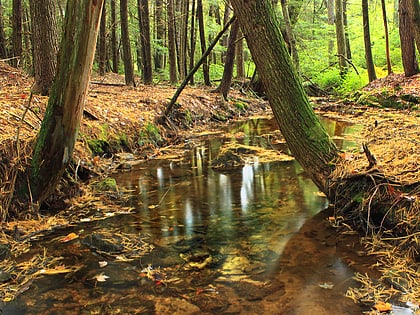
{"x":252,"y":240}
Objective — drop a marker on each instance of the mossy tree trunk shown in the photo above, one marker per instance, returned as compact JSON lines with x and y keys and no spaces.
{"x":57,"y":137}
{"x":306,"y":137}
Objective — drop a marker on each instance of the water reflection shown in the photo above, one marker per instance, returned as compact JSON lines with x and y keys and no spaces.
{"x":243,"y":219}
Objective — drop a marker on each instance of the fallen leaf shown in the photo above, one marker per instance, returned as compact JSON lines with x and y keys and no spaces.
{"x":383,"y":307}
{"x":326,"y":285}
{"x":69,"y":237}
{"x":102,"y":264}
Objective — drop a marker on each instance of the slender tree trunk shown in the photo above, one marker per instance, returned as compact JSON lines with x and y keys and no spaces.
{"x":340,"y":35}
{"x":3,"y":50}
{"x":114,"y":41}
{"x":346,"y":33}
{"x":408,"y":51}
{"x":225,"y":39}
{"x":45,"y":44}
{"x":182,"y":39}
{"x":366,"y":35}
{"x":307,"y":139}
{"x":388,"y":55}
{"x":200,"y":18}
{"x":331,"y":21}
{"x":102,"y":43}
{"x":126,"y":45}
{"x":240,"y":64}
{"x":16,"y":32}
{"x":57,"y":137}
{"x":192,"y":39}
{"x":26,"y":36}
{"x":146,"y":50}
{"x":226,"y":81}
{"x":290,"y":35}
{"x":171,"y":43}
{"x":159,"y":35}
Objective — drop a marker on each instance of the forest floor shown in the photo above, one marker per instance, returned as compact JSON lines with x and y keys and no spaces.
{"x":119,"y":118}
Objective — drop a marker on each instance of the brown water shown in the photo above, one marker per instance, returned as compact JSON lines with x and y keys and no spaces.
{"x":245,"y":242}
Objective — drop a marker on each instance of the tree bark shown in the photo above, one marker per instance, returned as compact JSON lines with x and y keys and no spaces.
{"x":331,"y":21}
{"x":414,"y":13}
{"x":408,"y":51}
{"x":45,"y":44}
{"x":102,"y":43}
{"x":146,"y":50}
{"x":289,"y":32}
{"x":171,"y":43}
{"x":192,"y":39}
{"x":366,"y":36}
{"x":240,"y":64}
{"x":114,"y":41}
{"x":226,"y":81}
{"x":385,"y":19}
{"x":340,"y":35}
{"x":16,"y":32}
{"x":159,"y":35}
{"x":3,"y":50}
{"x":307,"y":139}
{"x":200,"y":18}
{"x":126,"y":46}
{"x":57,"y":137}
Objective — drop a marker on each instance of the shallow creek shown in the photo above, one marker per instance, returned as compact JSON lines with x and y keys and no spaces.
{"x":253,"y":240}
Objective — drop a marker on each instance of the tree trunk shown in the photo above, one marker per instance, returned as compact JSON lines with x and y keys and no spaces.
{"x":16,"y":32}
{"x":346,"y":33}
{"x":45,"y":44}
{"x":226,"y":81}
{"x":225,"y":39}
{"x":340,"y":35}
{"x":182,"y":38}
{"x":171,"y":43}
{"x":159,"y":36}
{"x":114,"y":41}
{"x":408,"y":51}
{"x":146,"y":50}
{"x":3,"y":50}
{"x":102,"y":43}
{"x":331,"y":21}
{"x":56,"y":139}
{"x":126,"y":45}
{"x":307,"y":139}
{"x":289,"y":32}
{"x":192,"y":39}
{"x":240,"y":65}
{"x":414,"y":12}
{"x":388,"y":55}
{"x":366,"y":35}
{"x":200,"y":18}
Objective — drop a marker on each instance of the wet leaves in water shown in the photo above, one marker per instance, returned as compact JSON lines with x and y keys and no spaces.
{"x":383,"y":307}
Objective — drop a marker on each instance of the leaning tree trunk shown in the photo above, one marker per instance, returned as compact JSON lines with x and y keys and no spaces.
{"x":305,"y":136}
{"x":57,"y":137}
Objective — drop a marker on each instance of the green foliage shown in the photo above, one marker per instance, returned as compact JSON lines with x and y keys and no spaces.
{"x":107,"y":184}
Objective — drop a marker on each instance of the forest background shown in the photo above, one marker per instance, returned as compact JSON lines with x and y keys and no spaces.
{"x":178,"y":32}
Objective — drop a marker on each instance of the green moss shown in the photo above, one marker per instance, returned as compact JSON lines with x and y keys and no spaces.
{"x":108,"y":184}
{"x":98,"y":147}
{"x":241,"y":106}
{"x":359,"y":197}
{"x":150,"y":134}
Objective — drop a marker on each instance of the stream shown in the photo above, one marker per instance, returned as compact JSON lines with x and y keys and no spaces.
{"x":248,"y":241}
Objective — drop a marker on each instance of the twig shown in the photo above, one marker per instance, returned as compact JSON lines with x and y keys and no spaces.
{"x":349,"y":61}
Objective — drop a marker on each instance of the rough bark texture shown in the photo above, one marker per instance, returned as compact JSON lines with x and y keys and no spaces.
{"x":366,"y":35}
{"x":408,"y":52}
{"x":57,"y":137}
{"x":414,"y":11}
{"x":226,"y":81}
{"x":200,"y":18}
{"x":385,"y":19}
{"x":45,"y":44}
{"x":307,"y":139}
{"x":125,"y":39}
{"x":102,"y":43}
{"x":3,"y":51}
{"x":114,"y":42}
{"x":171,"y":43}
{"x":16,"y":32}
{"x":340,"y":35}
{"x":146,"y":50}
